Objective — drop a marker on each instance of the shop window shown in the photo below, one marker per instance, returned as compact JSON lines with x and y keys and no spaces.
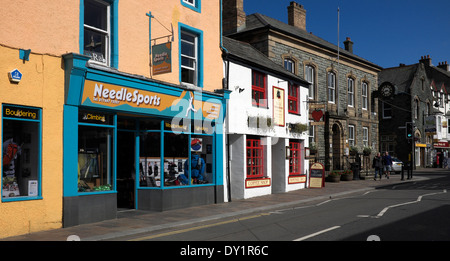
{"x":293,"y":95}
{"x":150,"y":159}
{"x":295,"y":158}
{"x":95,"y":152}
{"x":255,"y":158}
{"x":175,"y":155}
{"x":259,"y":97}
{"x":201,"y":160}
{"x":21,"y":168}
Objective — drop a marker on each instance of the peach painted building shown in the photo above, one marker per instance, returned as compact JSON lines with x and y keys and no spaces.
{"x":109,"y":105}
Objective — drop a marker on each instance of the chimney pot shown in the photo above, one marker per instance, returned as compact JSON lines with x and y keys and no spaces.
{"x":348,"y":45}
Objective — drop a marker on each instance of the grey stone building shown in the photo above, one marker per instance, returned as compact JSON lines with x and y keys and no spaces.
{"x":422,"y":98}
{"x":342,"y":83}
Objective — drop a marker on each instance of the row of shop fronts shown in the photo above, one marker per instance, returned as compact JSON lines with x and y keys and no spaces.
{"x":110,"y":141}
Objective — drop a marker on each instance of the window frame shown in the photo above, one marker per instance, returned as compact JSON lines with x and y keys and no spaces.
{"x":386,"y":109}
{"x":259,"y":89}
{"x":331,"y":88}
{"x":112,"y":20}
{"x":295,"y":157}
{"x":289,"y":65}
{"x":39,"y":159}
{"x":365,"y":96}
{"x":365,"y":139}
{"x":198,"y":72}
{"x":351,"y":135}
{"x":255,"y":146}
{"x":294,"y":98}
{"x":309,"y":77}
{"x":350,"y":92}
{"x":195,"y":6}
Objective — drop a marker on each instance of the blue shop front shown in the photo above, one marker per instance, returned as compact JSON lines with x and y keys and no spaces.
{"x":135,"y":143}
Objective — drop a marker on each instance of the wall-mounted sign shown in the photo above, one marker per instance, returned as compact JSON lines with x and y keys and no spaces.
{"x":317,"y":176}
{"x":20,"y":112}
{"x":296,"y":179}
{"x":316,"y":114}
{"x":278,"y":106}
{"x":257,"y":183}
{"x":99,"y":94}
{"x":15,"y":76}
{"x":162,"y":58}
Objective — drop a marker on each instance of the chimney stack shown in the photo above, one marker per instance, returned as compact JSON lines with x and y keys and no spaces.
{"x":297,"y":15}
{"x":425,"y":60}
{"x":233,"y":16}
{"x":348,"y":45}
{"x":444,"y":66}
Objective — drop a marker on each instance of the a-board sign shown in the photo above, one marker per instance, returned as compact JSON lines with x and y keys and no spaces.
{"x":317,"y":176}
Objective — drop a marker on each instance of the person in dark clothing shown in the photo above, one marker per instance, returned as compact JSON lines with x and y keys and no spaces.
{"x":377,"y":164}
{"x":387,"y":163}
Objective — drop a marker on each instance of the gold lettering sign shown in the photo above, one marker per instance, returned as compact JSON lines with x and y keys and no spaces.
{"x":256,"y":183}
{"x":296,"y":179}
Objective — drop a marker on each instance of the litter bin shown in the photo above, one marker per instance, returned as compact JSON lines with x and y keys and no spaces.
{"x":355,"y":168}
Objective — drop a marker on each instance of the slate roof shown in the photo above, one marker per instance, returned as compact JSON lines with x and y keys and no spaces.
{"x":258,"y":21}
{"x":247,"y":54}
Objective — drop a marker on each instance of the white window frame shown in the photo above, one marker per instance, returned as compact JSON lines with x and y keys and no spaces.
{"x":193,"y":58}
{"x":384,"y":110}
{"x":364,"y":95}
{"x":309,"y":77}
{"x":106,"y":32}
{"x":351,"y":92}
{"x":289,"y":65}
{"x":190,"y":2}
{"x":365,"y":137}
{"x":331,"y":87}
{"x":351,"y":135}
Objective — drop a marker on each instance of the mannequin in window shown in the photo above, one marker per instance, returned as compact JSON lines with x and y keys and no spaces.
{"x":197,"y":171}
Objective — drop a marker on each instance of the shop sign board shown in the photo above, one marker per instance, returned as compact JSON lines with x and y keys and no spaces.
{"x":102,"y":95}
{"x":278,"y":106}
{"x":297,"y":179}
{"x":162,"y":58}
{"x":257,"y":183}
{"x":317,"y":176}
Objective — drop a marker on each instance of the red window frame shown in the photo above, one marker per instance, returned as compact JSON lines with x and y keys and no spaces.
{"x":295,"y":166}
{"x":293,"y":93}
{"x":259,"y":92}
{"x":255,"y":158}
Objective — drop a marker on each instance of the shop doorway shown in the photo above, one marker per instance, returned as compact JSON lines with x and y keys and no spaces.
{"x":126,"y":171}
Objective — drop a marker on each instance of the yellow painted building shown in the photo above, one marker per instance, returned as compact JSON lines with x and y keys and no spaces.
{"x":49,"y":49}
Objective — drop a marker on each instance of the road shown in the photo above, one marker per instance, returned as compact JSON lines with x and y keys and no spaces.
{"x":414,"y":211}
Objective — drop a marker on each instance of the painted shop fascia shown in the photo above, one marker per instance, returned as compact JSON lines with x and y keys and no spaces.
{"x":155,"y":122}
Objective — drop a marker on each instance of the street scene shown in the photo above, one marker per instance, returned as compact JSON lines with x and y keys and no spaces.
{"x":224,"y":121}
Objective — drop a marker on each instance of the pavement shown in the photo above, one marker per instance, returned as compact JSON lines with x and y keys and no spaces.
{"x":134,"y":222}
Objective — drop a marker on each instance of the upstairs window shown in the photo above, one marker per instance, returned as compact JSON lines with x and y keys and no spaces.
{"x":351,"y":92}
{"x":309,"y":77}
{"x":259,"y":97}
{"x":289,"y":65}
{"x":331,"y":87}
{"x":192,"y":4}
{"x":293,"y":94}
{"x":97,"y":31}
{"x":189,"y":61}
{"x":364,"y":96}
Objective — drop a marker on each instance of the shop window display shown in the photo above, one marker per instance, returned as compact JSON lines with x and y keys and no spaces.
{"x":21,"y":152}
{"x":95,"y":153}
{"x":150,"y":159}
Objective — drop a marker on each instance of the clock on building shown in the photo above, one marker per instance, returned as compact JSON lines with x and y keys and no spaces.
{"x":386,"y":90}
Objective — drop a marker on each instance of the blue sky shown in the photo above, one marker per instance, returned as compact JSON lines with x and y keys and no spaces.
{"x":385,"y":32}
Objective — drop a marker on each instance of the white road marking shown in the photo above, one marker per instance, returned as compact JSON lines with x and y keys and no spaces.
{"x":402,"y":204}
{"x":317,"y":233}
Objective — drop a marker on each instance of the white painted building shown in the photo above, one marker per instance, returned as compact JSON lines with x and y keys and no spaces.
{"x":266,"y":125}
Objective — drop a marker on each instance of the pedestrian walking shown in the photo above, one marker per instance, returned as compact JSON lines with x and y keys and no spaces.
{"x":387,"y":164}
{"x":377,"y":164}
